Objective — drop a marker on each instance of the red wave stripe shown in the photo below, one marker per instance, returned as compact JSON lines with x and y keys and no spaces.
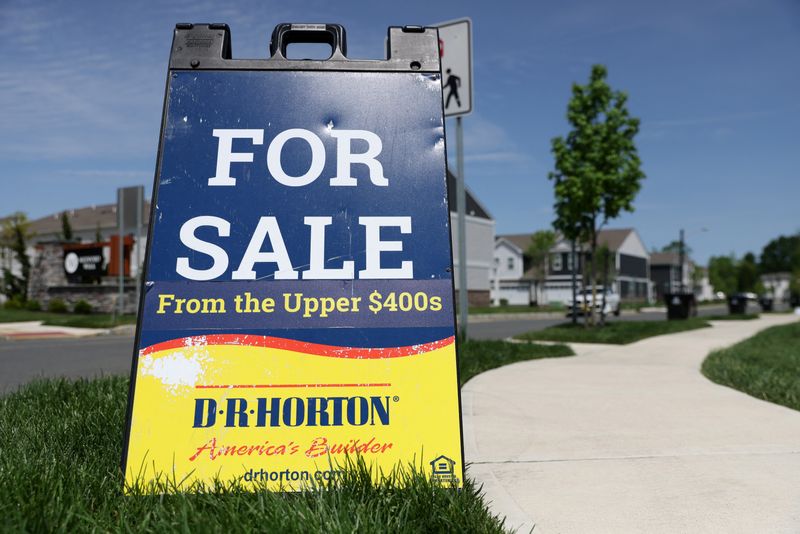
{"x":305,"y":347}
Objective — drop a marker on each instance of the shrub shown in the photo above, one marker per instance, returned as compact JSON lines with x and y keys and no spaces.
{"x":14,"y":303}
{"x":57,"y":306}
{"x":82,"y":307}
{"x":33,"y":305}
{"x":503,"y":302}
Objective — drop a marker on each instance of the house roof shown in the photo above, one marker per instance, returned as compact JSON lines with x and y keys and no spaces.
{"x":510,"y":243}
{"x":83,"y":219}
{"x":522,"y":241}
{"x":613,"y":238}
{"x":664,"y":258}
{"x":474,"y":207}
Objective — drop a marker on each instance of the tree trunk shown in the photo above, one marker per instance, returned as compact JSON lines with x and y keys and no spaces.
{"x":594,"y":273}
{"x":605,"y":288}
{"x":583,"y":287}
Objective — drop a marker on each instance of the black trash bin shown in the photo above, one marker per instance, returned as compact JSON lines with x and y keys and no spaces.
{"x":737,"y":304}
{"x":680,"y":305}
{"x":766,"y":303}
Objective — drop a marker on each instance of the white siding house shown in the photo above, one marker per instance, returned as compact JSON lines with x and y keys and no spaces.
{"x":480,"y":240}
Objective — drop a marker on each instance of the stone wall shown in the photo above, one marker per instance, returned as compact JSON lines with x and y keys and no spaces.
{"x":102,"y":298}
{"x":49,"y":281}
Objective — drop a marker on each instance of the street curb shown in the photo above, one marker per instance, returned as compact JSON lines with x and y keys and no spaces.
{"x":494,"y":317}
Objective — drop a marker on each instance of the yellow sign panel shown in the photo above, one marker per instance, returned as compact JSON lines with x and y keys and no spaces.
{"x":281,"y":413}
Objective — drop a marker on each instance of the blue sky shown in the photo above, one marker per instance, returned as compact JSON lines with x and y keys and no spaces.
{"x":715,"y":83}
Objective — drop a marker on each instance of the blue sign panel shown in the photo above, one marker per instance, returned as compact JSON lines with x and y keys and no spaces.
{"x":323,"y":179}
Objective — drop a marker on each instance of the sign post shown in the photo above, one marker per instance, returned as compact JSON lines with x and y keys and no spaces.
{"x":455,"y":51}
{"x":298,"y":279}
{"x":129,"y":215}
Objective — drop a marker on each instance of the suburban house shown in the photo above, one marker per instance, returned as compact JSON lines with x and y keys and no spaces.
{"x":515,"y":279}
{"x":777,"y":285}
{"x":665,"y":273}
{"x":703,"y":290}
{"x":480,"y":238}
{"x":630,"y":267}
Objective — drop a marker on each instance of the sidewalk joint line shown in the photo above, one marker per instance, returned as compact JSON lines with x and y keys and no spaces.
{"x":643,"y":457}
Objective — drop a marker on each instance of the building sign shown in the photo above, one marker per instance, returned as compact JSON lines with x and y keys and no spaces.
{"x":298,"y":287}
{"x":83,"y":264}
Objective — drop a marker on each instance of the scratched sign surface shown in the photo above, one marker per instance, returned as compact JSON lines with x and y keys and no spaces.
{"x":298,"y":295}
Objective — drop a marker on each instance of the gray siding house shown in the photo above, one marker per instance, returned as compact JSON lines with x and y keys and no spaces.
{"x":631,"y":266}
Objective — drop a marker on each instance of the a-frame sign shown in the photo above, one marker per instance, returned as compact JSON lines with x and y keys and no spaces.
{"x":298,"y":298}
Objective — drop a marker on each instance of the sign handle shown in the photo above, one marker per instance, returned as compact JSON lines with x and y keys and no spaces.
{"x":285,"y":34}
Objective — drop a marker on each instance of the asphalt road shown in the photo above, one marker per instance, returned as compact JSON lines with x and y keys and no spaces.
{"x":24,"y":361}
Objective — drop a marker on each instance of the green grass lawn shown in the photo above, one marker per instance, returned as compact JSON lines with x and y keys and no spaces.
{"x":60,"y":445}
{"x":733,"y":317}
{"x":476,"y":357}
{"x":615,"y":332}
{"x":766,"y":366}
{"x":92,"y":320}
{"x":511,"y":308}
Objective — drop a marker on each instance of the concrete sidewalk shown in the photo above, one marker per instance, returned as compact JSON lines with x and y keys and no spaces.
{"x":633,"y":439}
{"x":37,"y":330}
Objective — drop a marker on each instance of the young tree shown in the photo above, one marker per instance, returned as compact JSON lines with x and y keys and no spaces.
{"x":722,"y":273}
{"x":15,"y":235}
{"x":607,"y":260}
{"x":66,"y":227}
{"x":747,"y":273}
{"x":597,"y":169}
{"x":538,"y":250}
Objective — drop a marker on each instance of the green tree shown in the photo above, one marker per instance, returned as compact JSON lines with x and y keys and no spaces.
{"x":722,"y":273}
{"x":66,"y":227}
{"x":782,"y":254}
{"x":538,"y":251}
{"x":597,"y":169}
{"x":747,"y":273}
{"x":15,"y":235}
{"x":607,"y":260}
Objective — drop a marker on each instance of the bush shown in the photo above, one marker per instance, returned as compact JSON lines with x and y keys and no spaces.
{"x":82,"y":307}
{"x":57,"y":306}
{"x":503,"y":302}
{"x":33,"y":305}
{"x":14,"y":303}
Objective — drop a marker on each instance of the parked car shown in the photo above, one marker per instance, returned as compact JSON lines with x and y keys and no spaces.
{"x":584,"y":300}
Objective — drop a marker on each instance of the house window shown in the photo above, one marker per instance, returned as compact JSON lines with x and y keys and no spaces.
{"x":510,"y":264}
{"x":555,"y":262}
